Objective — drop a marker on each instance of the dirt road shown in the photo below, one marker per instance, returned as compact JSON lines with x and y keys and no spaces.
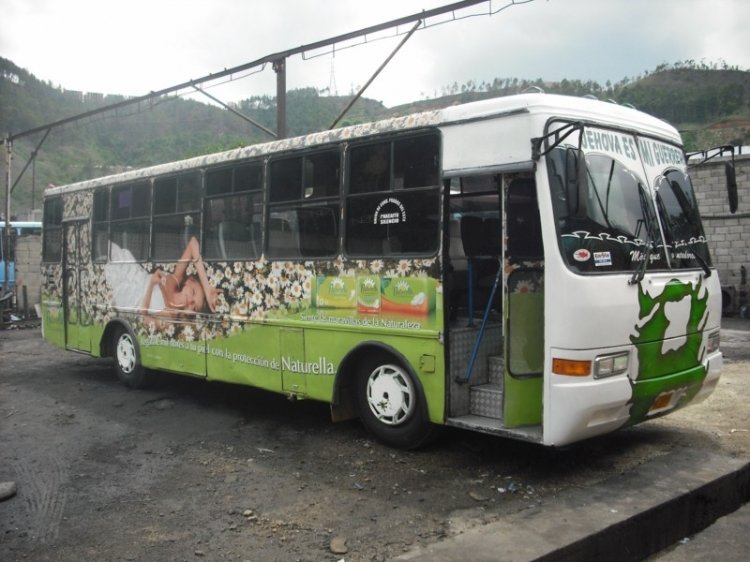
{"x":189,"y":470}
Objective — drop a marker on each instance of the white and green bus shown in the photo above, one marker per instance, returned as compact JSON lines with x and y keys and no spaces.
{"x":531,"y":266}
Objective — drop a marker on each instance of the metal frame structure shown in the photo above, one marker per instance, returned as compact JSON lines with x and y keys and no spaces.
{"x":278,"y":62}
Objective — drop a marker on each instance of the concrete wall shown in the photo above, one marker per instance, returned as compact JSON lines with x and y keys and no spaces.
{"x":29,"y":269}
{"x":728,"y":235}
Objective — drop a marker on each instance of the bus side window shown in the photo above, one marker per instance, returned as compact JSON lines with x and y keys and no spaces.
{"x":52,"y":231}
{"x":232,"y":212}
{"x":305,"y":207}
{"x":100,"y":242}
{"x":130,"y":211}
{"x":393,"y":200}
{"x":176,"y":214}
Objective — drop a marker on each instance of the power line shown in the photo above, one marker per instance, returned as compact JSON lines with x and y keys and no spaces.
{"x":338,"y":41}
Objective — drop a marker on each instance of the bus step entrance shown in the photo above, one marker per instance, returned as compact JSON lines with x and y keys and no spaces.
{"x":486,"y":399}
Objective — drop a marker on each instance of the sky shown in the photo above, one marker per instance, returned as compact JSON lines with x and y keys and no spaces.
{"x":135,"y":47}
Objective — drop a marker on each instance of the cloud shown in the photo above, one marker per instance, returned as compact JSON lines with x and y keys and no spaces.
{"x":147,"y":45}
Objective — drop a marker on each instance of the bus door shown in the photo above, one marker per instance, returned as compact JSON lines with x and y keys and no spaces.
{"x":76,"y":258}
{"x":524,"y":307}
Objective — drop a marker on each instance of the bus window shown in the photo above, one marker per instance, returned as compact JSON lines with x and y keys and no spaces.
{"x":52,"y":238}
{"x":100,"y":249}
{"x":322,"y":175}
{"x":393,"y":203}
{"x":286,"y":180}
{"x":393,"y":225}
{"x":304,"y":232}
{"x":415,"y":162}
{"x":369,"y":168}
{"x":176,"y":214}
{"x":301,"y":223}
{"x":232,"y":226}
{"x":233,"y":212}
{"x":7,"y":252}
{"x":678,"y":210}
{"x":129,"y":230}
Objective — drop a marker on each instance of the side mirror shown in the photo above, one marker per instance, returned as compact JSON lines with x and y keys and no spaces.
{"x":731,"y":186}
{"x":576,"y":182}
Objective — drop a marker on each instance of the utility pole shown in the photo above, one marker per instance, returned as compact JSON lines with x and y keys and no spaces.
{"x":279,"y":67}
{"x":7,"y":238}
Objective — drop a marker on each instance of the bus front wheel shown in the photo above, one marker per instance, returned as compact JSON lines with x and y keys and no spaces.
{"x":391,"y":405}
{"x":128,"y":360}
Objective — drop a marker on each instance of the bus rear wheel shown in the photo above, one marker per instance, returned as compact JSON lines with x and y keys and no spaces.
{"x":128,"y":359}
{"x":391,"y":404}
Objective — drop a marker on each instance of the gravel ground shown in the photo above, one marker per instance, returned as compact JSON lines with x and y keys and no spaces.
{"x":189,"y":470}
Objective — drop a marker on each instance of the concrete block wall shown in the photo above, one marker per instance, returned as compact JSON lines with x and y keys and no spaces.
{"x":728,"y":235}
{"x":29,"y":268}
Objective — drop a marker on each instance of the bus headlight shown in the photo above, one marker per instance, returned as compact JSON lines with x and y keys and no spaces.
{"x":609,"y":365}
{"x":714,"y":339}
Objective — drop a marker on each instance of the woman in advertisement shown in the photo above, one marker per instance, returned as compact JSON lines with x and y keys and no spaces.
{"x":180,"y":292}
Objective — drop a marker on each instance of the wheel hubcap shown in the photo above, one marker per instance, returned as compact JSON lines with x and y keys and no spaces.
{"x":390,"y":395}
{"x":126,"y":353}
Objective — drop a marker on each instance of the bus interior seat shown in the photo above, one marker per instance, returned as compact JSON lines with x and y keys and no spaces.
{"x":472,"y":234}
{"x":492,"y":236}
{"x":524,"y":226}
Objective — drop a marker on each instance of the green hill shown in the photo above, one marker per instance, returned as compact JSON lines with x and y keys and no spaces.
{"x":709,"y":104}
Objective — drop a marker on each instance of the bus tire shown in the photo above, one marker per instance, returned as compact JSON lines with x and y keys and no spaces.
{"x":128,"y":359}
{"x":391,"y":404}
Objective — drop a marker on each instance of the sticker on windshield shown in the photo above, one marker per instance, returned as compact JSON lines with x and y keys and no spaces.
{"x":602,"y":259}
{"x":582,"y":255}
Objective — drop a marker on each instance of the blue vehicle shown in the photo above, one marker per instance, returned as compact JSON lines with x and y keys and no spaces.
{"x":18,"y":228}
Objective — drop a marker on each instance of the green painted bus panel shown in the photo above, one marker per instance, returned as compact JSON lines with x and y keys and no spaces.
{"x":250,"y":357}
{"x":177,"y":357}
{"x":54,"y":324}
{"x":526,"y":334}
{"x":676,"y":391}
{"x":650,"y":337}
{"x":669,"y":379}
{"x":525,"y":352}
{"x":97,"y":334}
{"x":326,"y":349}
{"x":78,"y":332}
{"x":274,"y":357}
{"x":293,"y":361}
{"x":523,"y":401}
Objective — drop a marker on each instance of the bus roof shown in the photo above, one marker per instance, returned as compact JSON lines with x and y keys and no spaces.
{"x":537,"y":106}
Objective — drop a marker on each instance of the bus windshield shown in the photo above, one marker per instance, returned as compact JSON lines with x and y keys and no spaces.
{"x":678,"y":212}
{"x":619,"y":221}
{"x":621,"y":226}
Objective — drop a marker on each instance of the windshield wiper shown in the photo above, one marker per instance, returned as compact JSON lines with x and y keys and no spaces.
{"x":699,"y":259}
{"x":640,"y":271}
{"x":688,"y":210}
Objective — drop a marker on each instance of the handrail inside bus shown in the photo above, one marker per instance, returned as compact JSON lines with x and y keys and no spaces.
{"x":478,"y":342}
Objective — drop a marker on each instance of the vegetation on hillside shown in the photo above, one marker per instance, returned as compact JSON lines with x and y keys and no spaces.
{"x":709,"y":103}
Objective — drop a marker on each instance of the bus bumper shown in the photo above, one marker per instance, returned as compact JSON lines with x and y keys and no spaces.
{"x":580,"y":409}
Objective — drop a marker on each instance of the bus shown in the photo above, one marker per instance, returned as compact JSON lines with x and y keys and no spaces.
{"x":8,"y":248}
{"x":531,"y":266}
